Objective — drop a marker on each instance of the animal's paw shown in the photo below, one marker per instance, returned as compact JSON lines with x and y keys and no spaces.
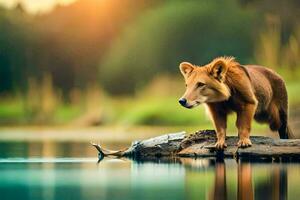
{"x":245,"y":142}
{"x":220,"y":144}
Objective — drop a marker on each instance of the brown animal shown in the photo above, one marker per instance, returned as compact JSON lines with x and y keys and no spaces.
{"x":251,"y":91}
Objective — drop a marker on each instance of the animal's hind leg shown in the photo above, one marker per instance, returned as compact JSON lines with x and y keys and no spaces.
{"x":274,"y":117}
{"x":278,"y":121}
{"x":283,"y":128}
{"x":284,"y":131}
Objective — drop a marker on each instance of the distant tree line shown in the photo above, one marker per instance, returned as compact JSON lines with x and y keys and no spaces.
{"x":123,"y":44}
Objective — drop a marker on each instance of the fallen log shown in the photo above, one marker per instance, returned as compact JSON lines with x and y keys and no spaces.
{"x":201,"y":144}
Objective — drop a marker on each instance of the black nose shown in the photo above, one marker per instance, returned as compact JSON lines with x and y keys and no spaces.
{"x":182,"y":101}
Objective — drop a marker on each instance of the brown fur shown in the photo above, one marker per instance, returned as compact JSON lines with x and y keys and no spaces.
{"x":251,"y":91}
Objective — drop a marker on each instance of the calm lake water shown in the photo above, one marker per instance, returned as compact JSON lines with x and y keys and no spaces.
{"x":69,"y":170}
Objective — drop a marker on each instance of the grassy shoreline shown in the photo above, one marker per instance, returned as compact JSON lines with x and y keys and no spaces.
{"x":145,"y":109}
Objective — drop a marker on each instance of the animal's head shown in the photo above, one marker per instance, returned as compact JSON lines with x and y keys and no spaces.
{"x":205,"y":84}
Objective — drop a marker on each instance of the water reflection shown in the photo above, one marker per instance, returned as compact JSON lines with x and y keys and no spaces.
{"x":220,"y":187}
{"x":278,"y":186}
{"x":76,"y":175}
{"x":245,"y":187}
{"x":274,"y":184}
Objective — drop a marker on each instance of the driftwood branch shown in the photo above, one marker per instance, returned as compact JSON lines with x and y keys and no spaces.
{"x":105,"y":152}
{"x":201,"y":144}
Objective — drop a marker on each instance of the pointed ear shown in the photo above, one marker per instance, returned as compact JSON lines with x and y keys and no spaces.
{"x":186,"y":68}
{"x":218,"y":70}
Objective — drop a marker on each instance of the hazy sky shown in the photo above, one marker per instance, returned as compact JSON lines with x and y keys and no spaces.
{"x":35,"y":6}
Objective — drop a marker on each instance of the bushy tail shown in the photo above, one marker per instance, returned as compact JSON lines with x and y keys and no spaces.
{"x":285,"y":131}
{"x":290,"y":133}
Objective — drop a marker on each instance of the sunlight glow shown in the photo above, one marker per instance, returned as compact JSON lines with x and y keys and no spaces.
{"x":35,"y":6}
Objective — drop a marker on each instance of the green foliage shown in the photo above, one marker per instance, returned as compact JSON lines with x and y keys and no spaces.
{"x":176,"y":31}
{"x":164,"y":111}
{"x":167,"y":112}
{"x":66,"y":43}
{"x":11,"y":111}
{"x":144,"y":110}
{"x":66,"y":113}
{"x":125,"y":45}
{"x":15,"y":39}
{"x":293,"y":92}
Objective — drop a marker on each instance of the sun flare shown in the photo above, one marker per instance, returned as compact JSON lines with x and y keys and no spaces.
{"x":35,"y":6}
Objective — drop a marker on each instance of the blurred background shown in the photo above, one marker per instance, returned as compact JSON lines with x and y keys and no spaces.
{"x":113,"y":63}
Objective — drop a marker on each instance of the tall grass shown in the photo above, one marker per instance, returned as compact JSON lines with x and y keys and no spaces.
{"x":272,"y":52}
{"x":93,"y":107}
{"x":41,"y":100}
{"x":44,"y":104}
{"x":268,"y":45}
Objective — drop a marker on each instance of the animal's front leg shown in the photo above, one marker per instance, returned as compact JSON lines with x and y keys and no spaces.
{"x":220,"y":123}
{"x":243,"y":123}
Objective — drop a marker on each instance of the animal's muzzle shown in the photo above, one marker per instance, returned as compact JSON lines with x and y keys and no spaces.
{"x":182,"y":101}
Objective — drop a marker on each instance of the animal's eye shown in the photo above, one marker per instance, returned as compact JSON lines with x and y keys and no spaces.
{"x":200,"y":84}
{"x":185,"y":85}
